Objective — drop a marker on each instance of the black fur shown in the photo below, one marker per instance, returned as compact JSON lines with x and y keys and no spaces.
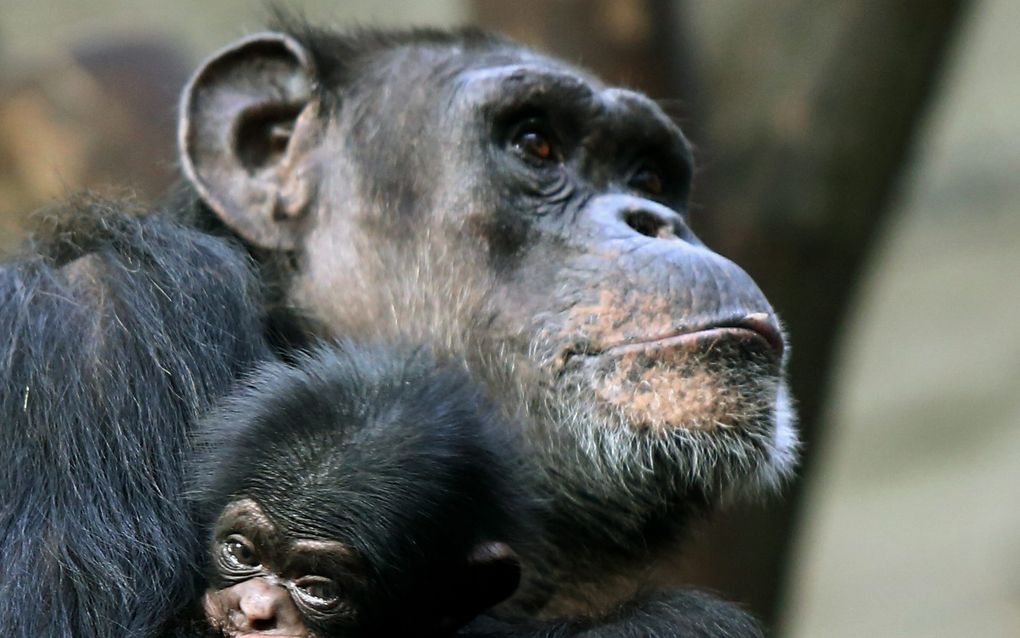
{"x":667,"y":613}
{"x":397,"y":457}
{"x":117,"y":332}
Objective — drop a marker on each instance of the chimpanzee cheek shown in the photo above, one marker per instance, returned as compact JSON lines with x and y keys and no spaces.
{"x":215,"y":606}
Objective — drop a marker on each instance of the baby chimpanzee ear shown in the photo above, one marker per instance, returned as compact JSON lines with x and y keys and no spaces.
{"x":489,"y":576}
{"x":246,"y":131}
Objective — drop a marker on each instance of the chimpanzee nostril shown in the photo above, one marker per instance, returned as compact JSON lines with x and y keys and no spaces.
{"x":263,"y":624}
{"x":649,"y":224}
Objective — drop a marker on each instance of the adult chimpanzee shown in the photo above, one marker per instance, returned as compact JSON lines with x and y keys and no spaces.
{"x":361,"y":491}
{"x":458,"y":191}
{"x":463,"y":192}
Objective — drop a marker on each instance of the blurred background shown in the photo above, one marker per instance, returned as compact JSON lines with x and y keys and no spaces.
{"x":860,"y":159}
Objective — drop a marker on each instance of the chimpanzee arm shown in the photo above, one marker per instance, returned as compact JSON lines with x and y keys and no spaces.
{"x":669,"y":613}
{"x":116,"y":332}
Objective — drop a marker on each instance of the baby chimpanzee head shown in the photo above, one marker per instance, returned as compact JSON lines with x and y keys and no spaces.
{"x":358,"y":490}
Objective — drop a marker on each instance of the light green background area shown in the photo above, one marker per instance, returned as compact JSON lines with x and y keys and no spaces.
{"x":914,"y":522}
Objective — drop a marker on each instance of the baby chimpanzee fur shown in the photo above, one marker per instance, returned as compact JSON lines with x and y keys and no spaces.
{"x":372,"y":491}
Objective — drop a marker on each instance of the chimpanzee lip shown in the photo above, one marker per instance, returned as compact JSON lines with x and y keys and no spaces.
{"x":755,"y":327}
{"x":752,"y":326}
{"x":702,"y":337}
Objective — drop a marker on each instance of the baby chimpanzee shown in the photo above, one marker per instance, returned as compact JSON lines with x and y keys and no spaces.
{"x":360,"y":490}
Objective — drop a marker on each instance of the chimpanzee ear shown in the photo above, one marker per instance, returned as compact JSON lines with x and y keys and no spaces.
{"x":490,"y":575}
{"x":246,"y":135}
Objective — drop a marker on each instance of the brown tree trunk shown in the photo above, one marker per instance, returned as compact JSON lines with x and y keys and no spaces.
{"x":628,"y":42}
{"x":814,"y":106}
{"x":808,"y":111}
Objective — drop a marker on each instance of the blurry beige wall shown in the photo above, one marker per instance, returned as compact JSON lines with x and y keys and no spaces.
{"x":914,"y":523}
{"x":37,"y":28}
{"x":88,"y":89}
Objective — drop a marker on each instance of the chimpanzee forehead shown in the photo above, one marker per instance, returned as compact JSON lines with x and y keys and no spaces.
{"x":532,"y":79}
{"x":414,"y":81}
{"x":316,"y":556}
{"x":452,"y":65}
{"x":525,"y":77}
{"x":245,"y":515}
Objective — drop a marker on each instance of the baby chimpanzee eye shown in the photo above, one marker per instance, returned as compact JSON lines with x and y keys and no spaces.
{"x":238,"y":553}
{"x":318,"y":591}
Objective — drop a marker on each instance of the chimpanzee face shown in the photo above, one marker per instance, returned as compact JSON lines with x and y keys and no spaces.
{"x":358,"y":490}
{"x":263,"y":582}
{"x":496,"y":204}
{"x":538,"y":214}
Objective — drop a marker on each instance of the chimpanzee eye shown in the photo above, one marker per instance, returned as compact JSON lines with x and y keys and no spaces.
{"x":238,"y":552}
{"x":318,"y":591}
{"x":535,"y":144}
{"x":647,"y":179}
{"x":532,"y":139}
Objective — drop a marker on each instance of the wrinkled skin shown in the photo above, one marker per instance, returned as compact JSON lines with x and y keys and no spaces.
{"x":506,"y":208}
{"x":254,"y":607}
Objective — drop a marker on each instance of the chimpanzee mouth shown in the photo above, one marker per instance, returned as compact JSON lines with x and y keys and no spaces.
{"x":704,"y":340}
{"x":754,"y":331}
{"x":713,"y":377}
